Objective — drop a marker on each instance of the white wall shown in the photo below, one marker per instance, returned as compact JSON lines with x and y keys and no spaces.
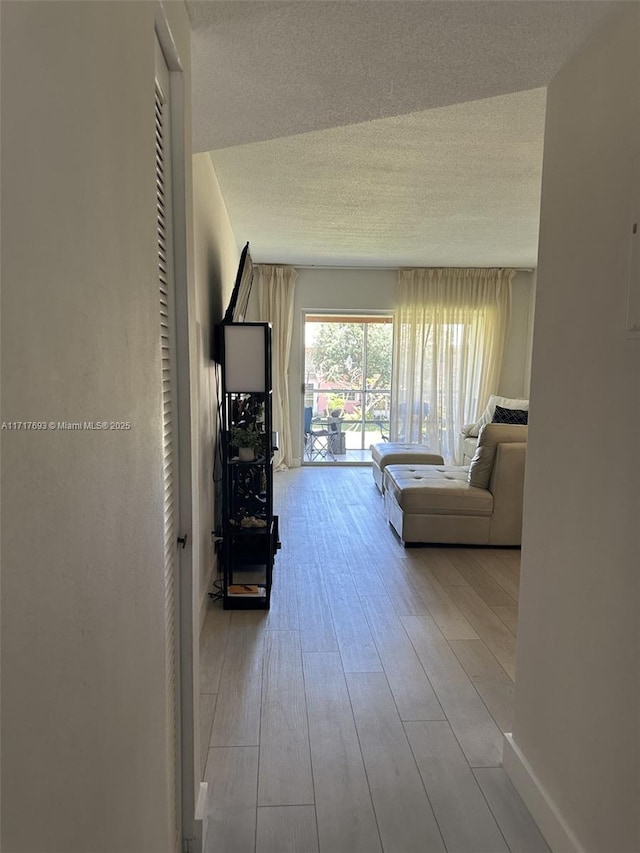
{"x":216,"y":256}
{"x":83,"y":670}
{"x":577,"y":691}
{"x":374,"y":290}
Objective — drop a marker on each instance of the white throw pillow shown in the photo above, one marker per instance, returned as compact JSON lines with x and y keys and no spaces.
{"x":487,"y":416}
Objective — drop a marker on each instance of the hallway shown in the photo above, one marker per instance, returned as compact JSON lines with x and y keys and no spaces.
{"x":364,"y":712}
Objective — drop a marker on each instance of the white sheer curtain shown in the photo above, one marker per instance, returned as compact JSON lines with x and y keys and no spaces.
{"x":275,"y":286}
{"x":449,"y":332}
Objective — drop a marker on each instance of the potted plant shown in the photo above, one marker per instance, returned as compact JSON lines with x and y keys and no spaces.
{"x":248,"y":439}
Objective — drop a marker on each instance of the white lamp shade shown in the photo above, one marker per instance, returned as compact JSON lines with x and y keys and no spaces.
{"x":244,"y":357}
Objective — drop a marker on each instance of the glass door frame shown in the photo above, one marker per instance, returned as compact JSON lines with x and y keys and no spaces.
{"x":354,"y":316}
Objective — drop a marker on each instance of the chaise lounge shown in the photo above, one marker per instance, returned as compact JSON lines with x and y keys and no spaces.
{"x":399,"y":453}
{"x":451,"y":504}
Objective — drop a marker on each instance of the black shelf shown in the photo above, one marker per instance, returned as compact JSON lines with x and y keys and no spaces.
{"x":248,"y":552}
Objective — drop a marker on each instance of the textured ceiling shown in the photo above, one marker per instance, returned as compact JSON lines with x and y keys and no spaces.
{"x":456,"y":186}
{"x":381,"y":133}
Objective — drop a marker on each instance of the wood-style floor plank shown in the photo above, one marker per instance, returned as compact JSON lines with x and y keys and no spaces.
{"x":346,"y":820}
{"x":357,"y":649}
{"x":441,"y":566}
{"x":285,"y":761}
{"x":357,"y":518}
{"x":490,"y":680}
{"x":402,"y":591}
{"x":283,"y":611}
{"x":403,"y":811}
{"x":375,"y":538}
{"x":207,"y":710}
{"x":505,"y":573}
{"x":508,"y":615}
{"x":316,"y":625}
{"x":517,"y":825}
{"x":423,"y":587}
{"x":446,"y":614}
{"x":411,"y":689}
{"x":462,"y":813}
{"x":213,"y":641}
{"x":479,"y":737}
{"x":473,"y":571}
{"x":490,"y":628}
{"x":367,"y":574}
{"x":237,"y":718}
{"x":287,"y":829}
{"x":511,"y":557}
{"x":232,"y":774}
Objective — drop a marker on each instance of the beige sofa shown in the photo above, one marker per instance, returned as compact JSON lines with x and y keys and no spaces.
{"x":470,"y":432}
{"x":449,"y":504}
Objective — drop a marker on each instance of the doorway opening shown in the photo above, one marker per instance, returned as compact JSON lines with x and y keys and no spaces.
{"x":347,"y":386}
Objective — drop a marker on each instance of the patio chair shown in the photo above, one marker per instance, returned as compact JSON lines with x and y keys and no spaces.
{"x":317,"y":443}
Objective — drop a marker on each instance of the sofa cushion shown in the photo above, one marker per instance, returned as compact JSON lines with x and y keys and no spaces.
{"x":510,"y":416}
{"x":487,"y":416}
{"x":490,"y":436}
{"x":436,"y":489}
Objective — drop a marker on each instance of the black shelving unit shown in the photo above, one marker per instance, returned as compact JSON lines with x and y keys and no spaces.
{"x":250,"y":535}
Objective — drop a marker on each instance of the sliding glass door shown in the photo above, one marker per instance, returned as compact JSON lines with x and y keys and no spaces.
{"x":347,"y":391}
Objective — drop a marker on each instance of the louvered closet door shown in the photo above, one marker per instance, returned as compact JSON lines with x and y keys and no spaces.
{"x":170,"y":455}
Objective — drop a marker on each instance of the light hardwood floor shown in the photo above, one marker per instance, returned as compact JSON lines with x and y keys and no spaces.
{"x":364,"y":712}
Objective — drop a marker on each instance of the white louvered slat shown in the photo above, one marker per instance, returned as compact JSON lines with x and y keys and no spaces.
{"x":163,"y":210}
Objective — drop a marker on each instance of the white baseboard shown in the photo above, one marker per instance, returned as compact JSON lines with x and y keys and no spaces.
{"x":202,"y":813}
{"x":543,"y":810}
